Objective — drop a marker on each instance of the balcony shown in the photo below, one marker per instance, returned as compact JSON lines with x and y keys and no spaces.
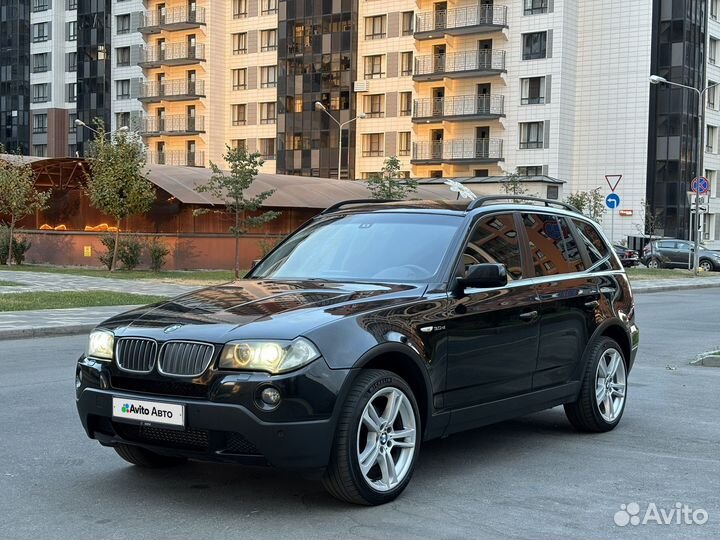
{"x":457,"y":151}
{"x":172,"y":125}
{"x":460,"y":21}
{"x":177,"y":158}
{"x":172,"y":54}
{"x":458,"y":108}
{"x":179,"y":18}
{"x":459,"y":65}
{"x":172,"y":90}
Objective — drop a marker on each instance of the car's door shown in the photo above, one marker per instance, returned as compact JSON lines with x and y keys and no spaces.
{"x":492,"y":333}
{"x":681,"y":254}
{"x":568,"y":296}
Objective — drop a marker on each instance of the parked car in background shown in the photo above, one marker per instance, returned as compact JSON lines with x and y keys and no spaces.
{"x":628,"y":257}
{"x":672,"y":253}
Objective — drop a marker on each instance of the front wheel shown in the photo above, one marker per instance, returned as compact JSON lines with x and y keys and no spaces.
{"x":654,"y":263}
{"x":377,"y":440}
{"x":604,"y":388}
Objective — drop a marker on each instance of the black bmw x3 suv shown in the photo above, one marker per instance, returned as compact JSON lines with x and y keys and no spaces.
{"x":372,"y":328}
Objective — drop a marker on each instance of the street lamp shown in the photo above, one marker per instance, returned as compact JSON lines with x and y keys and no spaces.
{"x":657,"y":79}
{"x":80,"y":123}
{"x":320,"y":107}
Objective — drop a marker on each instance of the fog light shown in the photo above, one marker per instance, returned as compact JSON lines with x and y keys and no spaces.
{"x":270,"y":396}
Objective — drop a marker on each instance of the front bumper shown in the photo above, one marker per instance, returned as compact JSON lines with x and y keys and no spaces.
{"x":223,"y":426}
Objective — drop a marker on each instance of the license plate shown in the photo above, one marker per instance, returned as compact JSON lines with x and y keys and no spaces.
{"x":148,"y":412}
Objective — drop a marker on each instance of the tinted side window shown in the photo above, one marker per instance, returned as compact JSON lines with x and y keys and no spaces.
{"x":666,"y":245}
{"x":594,"y":244}
{"x":495,"y":240}
{"x":552,"y":246}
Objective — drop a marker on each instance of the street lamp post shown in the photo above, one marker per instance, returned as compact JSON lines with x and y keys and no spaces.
{"x":320,"y":107}
{"x":80,"y":123}
{"x":656,"y":79}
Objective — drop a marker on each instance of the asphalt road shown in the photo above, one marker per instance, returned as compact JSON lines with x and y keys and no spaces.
{"x":532,"y":478}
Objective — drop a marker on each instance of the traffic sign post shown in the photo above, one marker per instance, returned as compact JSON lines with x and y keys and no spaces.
{"x":699,"y":186}
{"x":612,"y":201}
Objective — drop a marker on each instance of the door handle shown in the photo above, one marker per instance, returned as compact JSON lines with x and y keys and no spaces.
{"x":592,"y":304}
{"x":529,"y":315}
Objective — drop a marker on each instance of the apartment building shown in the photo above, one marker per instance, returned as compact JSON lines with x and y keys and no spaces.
{"x":710,"y":221}
{"x":15,"y":76}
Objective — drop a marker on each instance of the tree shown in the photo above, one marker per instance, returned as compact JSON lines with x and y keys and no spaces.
{"x":651,"y":220}
{"x":116,"y":183}
{"x":388,"y":185}
{"x":18,"y":195}
{"x":513,"y":185}
{"x":591,"y":203}
{"x":231,"y":187}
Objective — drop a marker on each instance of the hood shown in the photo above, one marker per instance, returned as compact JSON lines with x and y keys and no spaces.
{"x":249,"y":309}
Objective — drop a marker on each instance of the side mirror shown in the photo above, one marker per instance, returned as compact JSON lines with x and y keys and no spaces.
{"x":482,"y":276}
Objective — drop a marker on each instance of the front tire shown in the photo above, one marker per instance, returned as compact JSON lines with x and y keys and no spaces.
{"x":603,"y":393}
{"x":377,"y":440}
{"x":145,"y":458}
{"x":654,"y":263}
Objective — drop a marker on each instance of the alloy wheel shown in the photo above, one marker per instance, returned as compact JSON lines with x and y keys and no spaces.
{"x":610,"y":385}
{"x":386,"y":439}
{"x":653,"y":264}
{"x":706,"y":266}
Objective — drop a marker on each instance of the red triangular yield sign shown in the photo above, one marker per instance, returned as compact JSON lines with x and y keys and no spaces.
{"x":613,"y":180}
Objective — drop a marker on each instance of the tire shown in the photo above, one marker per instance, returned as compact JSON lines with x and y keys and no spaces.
{"x":654,"y":263}
{"x":355,"y":441}
{"x":707,"y":266}
{"x":592,"y":412}
{"x":145,"y":458}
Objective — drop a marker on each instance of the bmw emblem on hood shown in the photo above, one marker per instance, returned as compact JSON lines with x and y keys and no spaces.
{"x":172,"y":328}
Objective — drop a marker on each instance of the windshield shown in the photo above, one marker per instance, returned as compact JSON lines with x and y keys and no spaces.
{"x":365,"y":247}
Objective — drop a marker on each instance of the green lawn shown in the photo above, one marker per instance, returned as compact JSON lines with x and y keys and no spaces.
{"x":202,"y":276}
{"x":638,"y":273}
{"x":56,"y":300}
{"x":9,"y":284}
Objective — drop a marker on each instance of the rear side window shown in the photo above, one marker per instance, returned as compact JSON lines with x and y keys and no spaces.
{"x":552,"y":246}
{"x":495,"y":240}
{"x":597,"y":249}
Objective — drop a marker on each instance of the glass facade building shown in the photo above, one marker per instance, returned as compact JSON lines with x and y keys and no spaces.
{"x":15,"y":75}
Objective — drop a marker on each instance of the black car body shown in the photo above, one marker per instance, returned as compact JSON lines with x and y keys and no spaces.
{"x":673,"y":253}
{"x":628,"y":257}
{"x":470,"y":345}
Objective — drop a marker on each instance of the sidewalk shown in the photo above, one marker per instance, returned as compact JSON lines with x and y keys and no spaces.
{"x":662,"y":285}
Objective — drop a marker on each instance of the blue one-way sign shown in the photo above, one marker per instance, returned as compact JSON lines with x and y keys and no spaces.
{"x":612,"y":201}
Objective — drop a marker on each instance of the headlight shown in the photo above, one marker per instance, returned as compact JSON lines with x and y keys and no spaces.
{"x":100,"y":345}
{"x":271,"y":356}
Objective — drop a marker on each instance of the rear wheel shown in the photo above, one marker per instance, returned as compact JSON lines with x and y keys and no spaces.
{"x":707,"y":266}
{"x":145,"y":458}
{"x":604,"y":389}
{"x":377,"y":440}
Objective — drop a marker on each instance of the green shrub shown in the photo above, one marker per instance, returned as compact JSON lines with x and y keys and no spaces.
{"x":129,"y":251}
{"x":20,"y":246}
{"x":158,"y":252}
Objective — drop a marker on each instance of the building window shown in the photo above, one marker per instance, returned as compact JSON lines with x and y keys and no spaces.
{"x":268,"y":76}
{"x":122,"y":119}
{"x":72,"y":128}
{"x":530,"y":170}
{"x":240,"y":43}
{"x":375,"y":106}
{"x":239,"y":114}
{"x":40,"y":32}
{"x":405,"y":103}
{"x":268,"y":40}
{"x":72,"y":150}
{"x":71,"y":61}
{"x":373,"y":144}
{"x":532,"y":91}
{"x":267,"y":148}
{"x":531,"y":135}
{"x":404,"y":143}
{"x":40,"y":92}
{"x":122,"y":88}
{"x":123,"y":23}
{"x":710,"y":136}
{"x":374,"y":67}
{"x":239,"y":143}
{"x":375,"y":27}
{"x":553,"y":192}
{"x":711,"y":94}
{"x":268,"y":7}
{"x":70,"y":5}
{"x":712,"y":50}
{"x":714,"y":9}
{"x":71,"y":30}
{"x":534,"y":45}
{"x":406,"y":63}
{"x":122,"y":56}
{"x":535,"y":7}
{"x":39,"y":123}
{"x":481,"y":173}
{"x":71,"y":92}
{"x":40,"y":62}
{"x":239,"y":9}
{"x":40,"y":5}
{"x":267,"y":113}
{"x":408,"y":18}
{"x":40,"y":150}
{"x":239,"y":77}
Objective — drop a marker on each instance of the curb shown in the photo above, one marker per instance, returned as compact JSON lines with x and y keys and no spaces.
{"x":27,"y":333}
{"x":666,"y":288}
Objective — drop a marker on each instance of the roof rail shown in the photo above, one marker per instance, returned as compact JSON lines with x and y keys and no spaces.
{"x":480,"y":201}
{"x":339,"y":205}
